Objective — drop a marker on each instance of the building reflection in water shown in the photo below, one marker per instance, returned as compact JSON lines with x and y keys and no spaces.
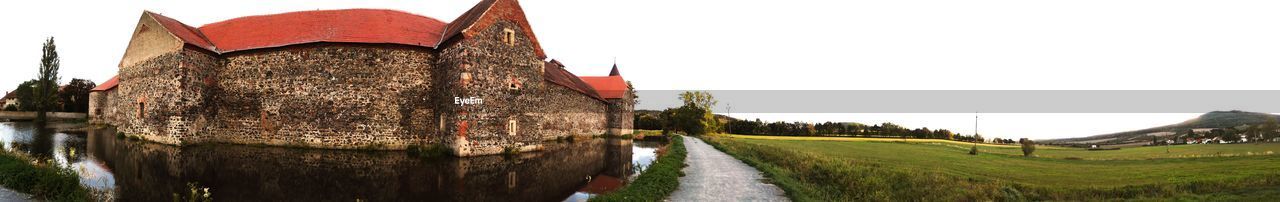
{"x":141,"y":171}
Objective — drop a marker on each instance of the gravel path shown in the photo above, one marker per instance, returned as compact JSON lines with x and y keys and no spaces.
{"x":10,"y":195}
{"x":715,"y":176}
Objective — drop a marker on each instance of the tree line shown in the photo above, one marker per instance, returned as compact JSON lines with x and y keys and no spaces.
{"x":845,"y":129}
{"x":694,"y":117}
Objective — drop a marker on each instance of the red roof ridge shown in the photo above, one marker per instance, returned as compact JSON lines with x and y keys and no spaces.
{"x":357,"y":25}
{"x":609,"y":87}
{"x":108,"y":85}
{"x":555,"y":73}
{"x":184,"y":32}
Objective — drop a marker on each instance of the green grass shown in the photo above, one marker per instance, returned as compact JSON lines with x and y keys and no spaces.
{"x":815,"y":169}
{"x":658,"y":181}
{"x":45,"y":181}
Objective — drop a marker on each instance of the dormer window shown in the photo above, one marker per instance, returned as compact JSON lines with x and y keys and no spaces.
{"x":509,"y":37}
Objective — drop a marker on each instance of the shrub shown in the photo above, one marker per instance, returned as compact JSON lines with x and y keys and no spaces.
{"x":195,"y":193}
{"x":1028,"y":146}
{"x":429,"y":151}
{"x":974,"y":150}
{"x":45,"y":181}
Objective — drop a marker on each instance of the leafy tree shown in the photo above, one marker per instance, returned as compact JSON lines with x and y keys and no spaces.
{"x":1230,"y":135}
{"x":1028,"y":146}
{"x":26,"y":93}
{"x":700,"y":99}
{"x":75,"y":96}
{"x":695,"y":117}
{"x":1269,"y":128}
{"x":47,"y":80}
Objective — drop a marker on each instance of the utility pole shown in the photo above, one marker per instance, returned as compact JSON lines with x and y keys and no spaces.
{"x":975,"y":128}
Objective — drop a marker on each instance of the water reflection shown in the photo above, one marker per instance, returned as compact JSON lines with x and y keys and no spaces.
{"x":140,"y":171}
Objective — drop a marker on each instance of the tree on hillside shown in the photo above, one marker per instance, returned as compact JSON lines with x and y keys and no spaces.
{"x":47,"y":80}
{"x":1028,"y":146}
{"x":75,"y":96}
{"x":1269,"y":128}
{"x":1230,"y":135}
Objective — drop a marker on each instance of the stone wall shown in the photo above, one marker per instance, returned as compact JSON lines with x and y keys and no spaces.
{"x":156,"y":97}
{"x":323,"y":95}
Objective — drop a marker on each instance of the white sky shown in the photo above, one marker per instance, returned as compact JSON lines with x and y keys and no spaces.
{"x":796,"y":44}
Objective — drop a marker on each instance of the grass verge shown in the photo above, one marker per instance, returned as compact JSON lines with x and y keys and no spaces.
{"x":49,"y":182}
{"x":658,"y":181}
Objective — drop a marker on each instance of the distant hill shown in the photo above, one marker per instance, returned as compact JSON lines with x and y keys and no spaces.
{"x":1215,"y":119}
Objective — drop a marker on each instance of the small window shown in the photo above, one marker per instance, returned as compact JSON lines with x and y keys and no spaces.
{"x":511,"y":127}
{"x":441,"y":124}
{"x":142,"y":108}
{"x":509,"y":36}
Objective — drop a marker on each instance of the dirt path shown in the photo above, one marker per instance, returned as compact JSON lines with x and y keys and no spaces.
{"x":10,"y":195}
{"x":715,"y":176}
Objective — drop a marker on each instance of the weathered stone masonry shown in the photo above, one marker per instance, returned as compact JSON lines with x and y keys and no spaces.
{"x":184,"y":85}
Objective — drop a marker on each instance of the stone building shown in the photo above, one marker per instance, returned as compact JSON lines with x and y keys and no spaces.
{"x":356,"y":79}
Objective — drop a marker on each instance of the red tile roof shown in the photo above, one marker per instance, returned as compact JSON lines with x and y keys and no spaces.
{"x":555,"y":73}
{"x":467,"y":19}
{"x":110,"y":84}
{"x":186,"y":33}
{"x":349,"y":25}
{"x":609,"y":87}
{"x":10,"y":95}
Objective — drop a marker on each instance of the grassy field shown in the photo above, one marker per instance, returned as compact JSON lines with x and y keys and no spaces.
{"x":823,"y":168}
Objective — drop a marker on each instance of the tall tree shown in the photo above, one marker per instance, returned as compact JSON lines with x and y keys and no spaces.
{"x":47,"y":80}
{"x":1269,"y":129}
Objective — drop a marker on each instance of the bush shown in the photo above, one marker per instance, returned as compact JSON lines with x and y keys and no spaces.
{"x":657,"y":182}
{"x":429,"y":151}
{"x":974,"y":150}
{"x":1028,"y":147}
{"x":45,"y":181}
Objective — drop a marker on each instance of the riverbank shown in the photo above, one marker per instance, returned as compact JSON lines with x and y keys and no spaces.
{"x":827,"y":170}
{"x":45,"y":181}
{"x":658,"y":181}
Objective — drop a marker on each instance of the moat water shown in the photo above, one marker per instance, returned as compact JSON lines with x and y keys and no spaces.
{"x":133,"y":170}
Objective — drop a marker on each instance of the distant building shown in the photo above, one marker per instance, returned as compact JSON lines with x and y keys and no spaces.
{"x":10,"y":99}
